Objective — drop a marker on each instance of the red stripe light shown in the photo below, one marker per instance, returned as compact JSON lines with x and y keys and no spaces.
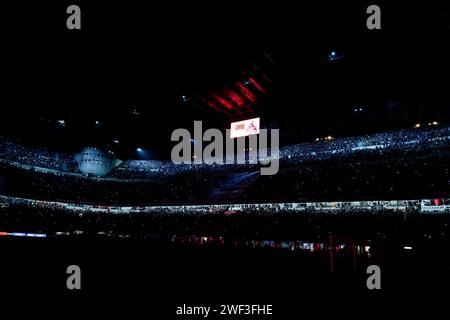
{"x":247,"y":93}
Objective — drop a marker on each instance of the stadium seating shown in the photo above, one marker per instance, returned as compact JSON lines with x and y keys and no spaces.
{"x":407,"y":164}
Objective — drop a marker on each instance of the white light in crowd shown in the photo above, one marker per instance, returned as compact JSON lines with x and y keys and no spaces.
{"x":97,"y":122}
{"x":417,"y":125}
{"x":407,"y":248}
{"x":138,"y":149}
{"x":62,"y":122}
{"x":116,"y":141}
{"x":435,"y":123}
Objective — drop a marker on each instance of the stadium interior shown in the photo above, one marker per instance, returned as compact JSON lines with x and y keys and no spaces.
{"x":364,"y":157}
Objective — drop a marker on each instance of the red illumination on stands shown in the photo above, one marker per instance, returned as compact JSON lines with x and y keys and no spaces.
{"x":255,"y":67}
{"x":3,"y":233}
{"x":210,"y":104}
{"x":237,"y":99}
{"x":247,"y":93}
{"x":223,"y":102}
{"x":256,"y":84}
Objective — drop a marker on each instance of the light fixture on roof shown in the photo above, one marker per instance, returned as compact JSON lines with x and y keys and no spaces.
{"x":136,"y":111}
{"x":333,"y":55}
{"x":184,"y":99}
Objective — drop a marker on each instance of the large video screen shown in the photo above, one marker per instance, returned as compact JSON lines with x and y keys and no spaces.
{"x":244,"y":128}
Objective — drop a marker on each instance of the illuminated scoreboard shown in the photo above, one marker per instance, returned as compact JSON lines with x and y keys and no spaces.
{"x":244,"y":128}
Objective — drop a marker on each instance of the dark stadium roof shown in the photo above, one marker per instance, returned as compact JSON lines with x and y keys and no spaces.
{"x":145,"y":72}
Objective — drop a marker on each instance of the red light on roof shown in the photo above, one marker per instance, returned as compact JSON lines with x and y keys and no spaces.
{"x":247,"y":93}
{"x":223,"y":102}
{"x":237,"y":99}
{"x":256,"y":84}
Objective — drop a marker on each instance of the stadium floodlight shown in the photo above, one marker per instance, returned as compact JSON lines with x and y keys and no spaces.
{"x":418,"y":125}
{"x":136,"y":111}
{"x":184,"y":99}
{"x":435,"y":123}
{"x":333,"y":55}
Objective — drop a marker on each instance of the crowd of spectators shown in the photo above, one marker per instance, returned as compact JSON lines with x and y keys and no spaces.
{"x":391,"y":143}
{"x":424,"y":176}
{"x":382,"y":144}
{"x":408,"y":164}
{"x":34,"y":184}
{"x":36,"y":156}
{"x":365,"y":177}
{"x":402,"y":141}
{"x":283,"y":225}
